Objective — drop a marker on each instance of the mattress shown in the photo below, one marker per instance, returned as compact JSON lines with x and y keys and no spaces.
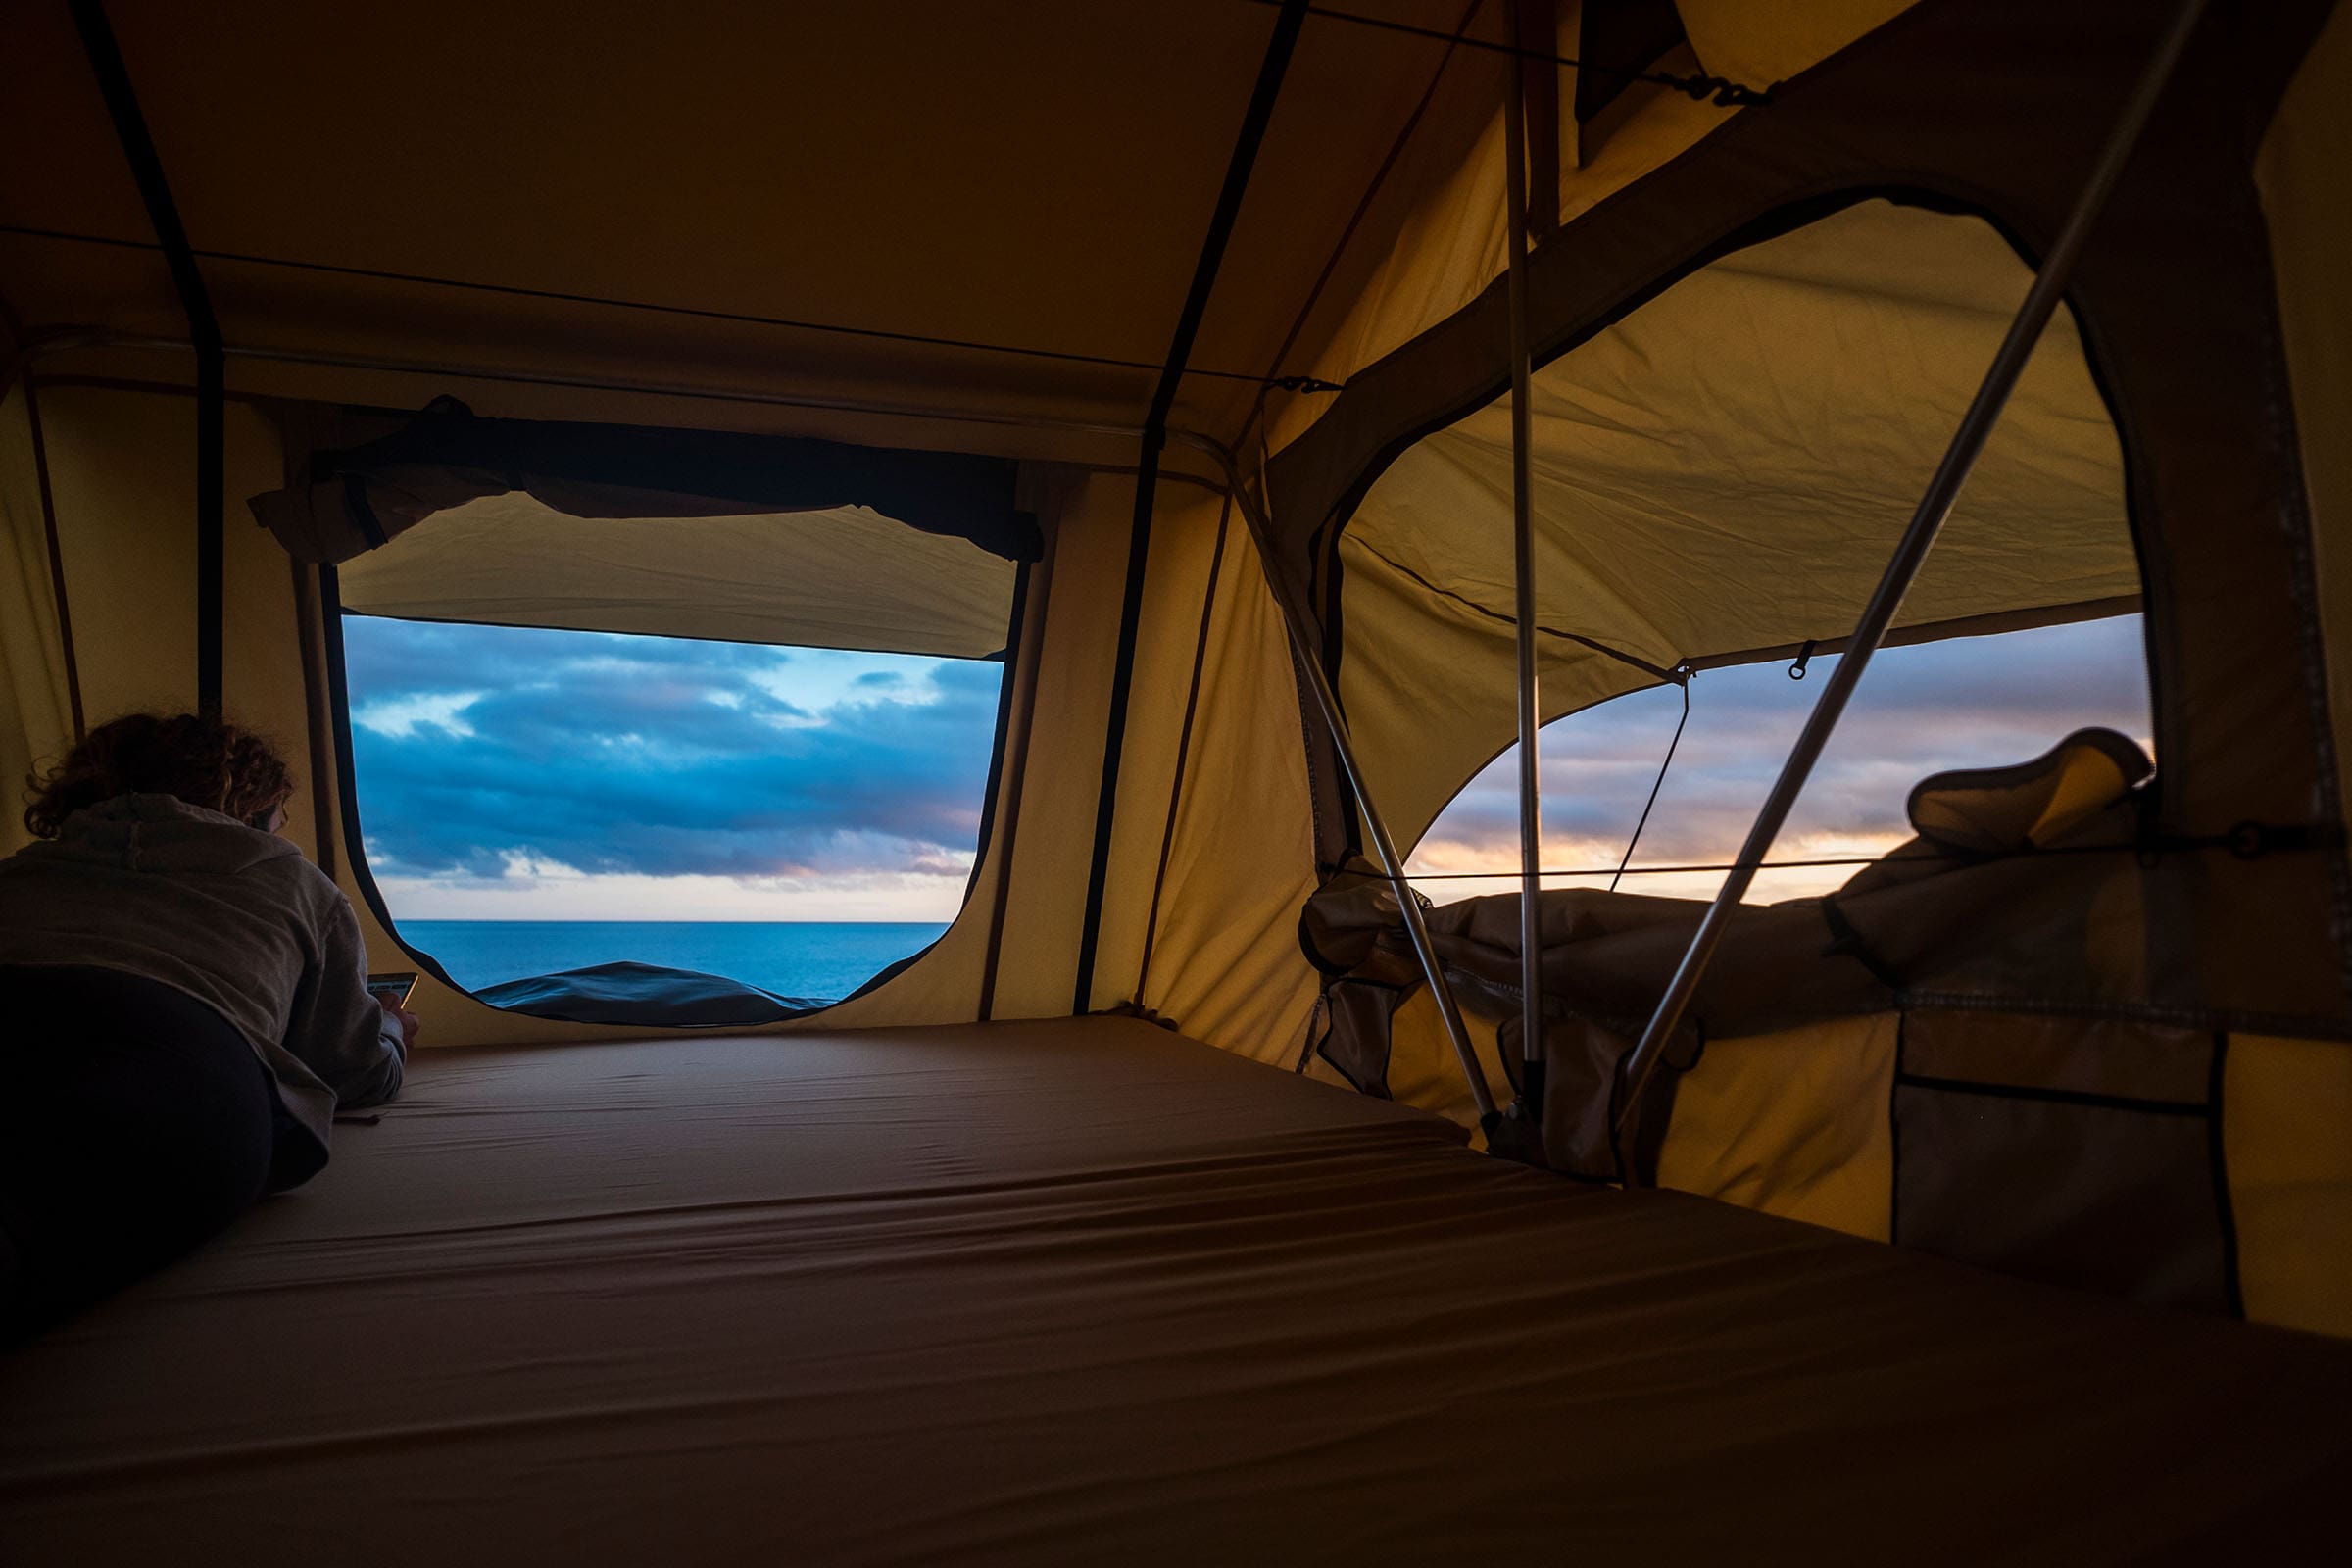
{"x":1080,"y":1291}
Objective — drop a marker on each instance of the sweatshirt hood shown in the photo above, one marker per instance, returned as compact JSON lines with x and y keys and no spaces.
{"x":163,"y":833}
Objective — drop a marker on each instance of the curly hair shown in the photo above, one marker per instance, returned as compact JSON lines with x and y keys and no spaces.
{"x":204,"y":761}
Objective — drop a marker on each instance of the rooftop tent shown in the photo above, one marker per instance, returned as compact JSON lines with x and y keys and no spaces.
{"x":1365,"y":250}
{"x":1197,"y":316}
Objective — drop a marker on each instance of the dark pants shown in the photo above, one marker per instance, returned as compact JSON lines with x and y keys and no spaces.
{"x":136,"y":1122}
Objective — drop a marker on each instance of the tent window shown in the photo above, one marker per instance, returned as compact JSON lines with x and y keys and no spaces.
{"x":1719,"y":478}
{"x":1967,"y":703}
{"x":670,"y":771}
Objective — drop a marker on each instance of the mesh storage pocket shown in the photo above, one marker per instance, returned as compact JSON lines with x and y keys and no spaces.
{"x":2087,"y":1157}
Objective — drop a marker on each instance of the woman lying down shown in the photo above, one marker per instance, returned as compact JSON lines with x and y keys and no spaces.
{"x":183,"y":1007}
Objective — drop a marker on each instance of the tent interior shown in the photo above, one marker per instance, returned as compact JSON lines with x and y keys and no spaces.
{"x":1998,"y":1203}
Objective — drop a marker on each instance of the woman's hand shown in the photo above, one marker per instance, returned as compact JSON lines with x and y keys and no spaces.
{"x":403,"y":1017}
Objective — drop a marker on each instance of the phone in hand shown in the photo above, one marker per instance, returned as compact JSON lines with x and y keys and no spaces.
{"x":392,"y":989}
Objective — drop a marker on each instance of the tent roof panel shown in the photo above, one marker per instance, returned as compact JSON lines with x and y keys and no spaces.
{"x":1039,"y":176}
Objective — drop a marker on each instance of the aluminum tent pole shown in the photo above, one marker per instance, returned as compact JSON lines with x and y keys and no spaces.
{"x":1918,"y":536}
{"x":1524,"y":1140}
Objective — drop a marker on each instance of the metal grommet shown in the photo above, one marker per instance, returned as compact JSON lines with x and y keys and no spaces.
{"x":2247,"y":840}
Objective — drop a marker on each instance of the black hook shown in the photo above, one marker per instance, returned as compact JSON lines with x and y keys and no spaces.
{"x":1804,"y":657}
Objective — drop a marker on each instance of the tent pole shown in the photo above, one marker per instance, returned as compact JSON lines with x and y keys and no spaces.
{"x":105,"y":58}
{"x":1524,"y":1141}
{"x":1302,"y":647}
{"x":1255,"y":119}
{"x":1918,"y":536}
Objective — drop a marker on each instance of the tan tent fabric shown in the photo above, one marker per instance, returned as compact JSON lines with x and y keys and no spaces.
{"x":1447,"y":225}
{"x":2288,"y":1104}
{"x":1767,"y":42}
{"x":1037,"y":969}
{"x":2301,"y":171}
{"x":2290,"y":1101}
{"x":1224,"y":963}
{"x":843,"y":578}
{"x":1768,"y":418}
{"x":1040,"y":180}
{"x":1793,"y":1124}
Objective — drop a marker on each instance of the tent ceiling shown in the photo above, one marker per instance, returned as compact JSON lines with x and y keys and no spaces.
{"x":1037,"y":176}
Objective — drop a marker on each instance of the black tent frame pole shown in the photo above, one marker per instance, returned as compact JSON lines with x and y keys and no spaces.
{"x":1522,"y":1141}
{"x":204,"y":336}
{"x":1918,"y":536}
{"x":1154,"y":437}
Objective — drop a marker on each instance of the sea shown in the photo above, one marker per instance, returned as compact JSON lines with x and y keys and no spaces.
{"x":814,"y":959}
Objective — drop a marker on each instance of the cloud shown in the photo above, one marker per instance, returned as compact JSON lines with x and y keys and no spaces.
{"x":485,"y":748}
{"x":398,"y":717}
{"x":1970,"y":702}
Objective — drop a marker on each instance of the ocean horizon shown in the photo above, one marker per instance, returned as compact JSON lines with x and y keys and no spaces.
{"x":817,"y":959}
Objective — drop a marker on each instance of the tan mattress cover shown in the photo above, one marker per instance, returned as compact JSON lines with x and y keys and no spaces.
{"x":1086,"y":1292}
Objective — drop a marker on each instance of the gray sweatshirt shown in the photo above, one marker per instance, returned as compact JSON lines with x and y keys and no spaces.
{"x":235,"y":917}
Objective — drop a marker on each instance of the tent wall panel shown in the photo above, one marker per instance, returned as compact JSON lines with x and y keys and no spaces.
{"x":1795,"y":1123}
{"x":1183,"y":531}
{"x":1225,"y":964}
{"x":2308,"y":209}
{"x":2286,"y":1105}
{"x":1423,"y":1070}
{"x":121,"y":466}
{"x":1086,"y":515}
{"x":35,"y":705}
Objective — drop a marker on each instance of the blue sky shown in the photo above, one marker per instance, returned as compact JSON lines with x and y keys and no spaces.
{"x":514,"y":773}
{"x":524,"y":774}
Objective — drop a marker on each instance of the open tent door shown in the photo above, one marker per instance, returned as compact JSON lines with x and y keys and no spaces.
{"x":529,"y":532}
